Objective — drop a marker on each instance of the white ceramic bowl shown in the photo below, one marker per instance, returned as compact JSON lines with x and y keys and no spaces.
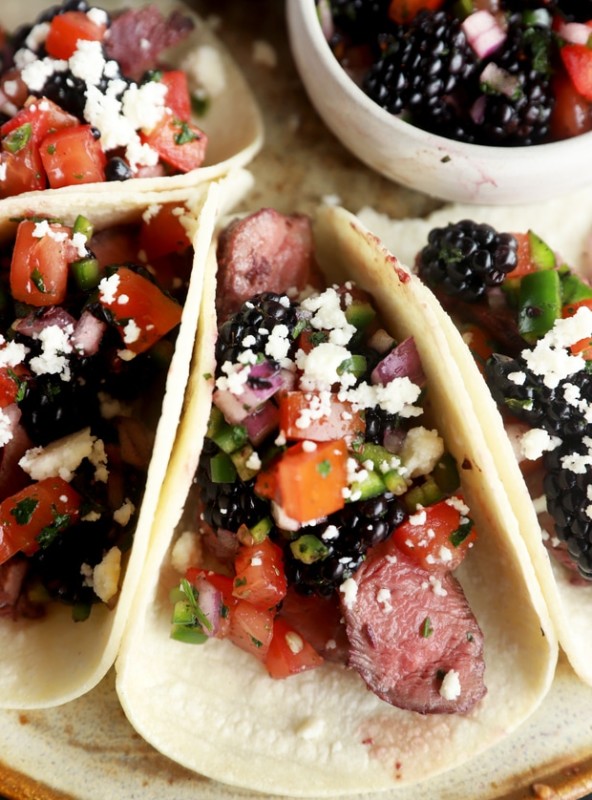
{"x":410,"y":156}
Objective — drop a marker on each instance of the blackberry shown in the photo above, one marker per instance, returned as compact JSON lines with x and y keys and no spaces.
{"x":361,"y":525}
{"x":423,"y":65}
{"x":568,"y":495}
{"x":464,"y":259}
{"x":117,"y":169}
{"x":522,"y":117}
{"x":360,"y":20}
{"x":227,"y":505}
{"x":262,"y":313}
{"x":378,"y":423}
{"x":537,"y":404}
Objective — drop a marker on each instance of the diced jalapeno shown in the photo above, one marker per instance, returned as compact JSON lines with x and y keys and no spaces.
{"x":308,"y":549}
{"x":86,"y":272}
{"x":540,"y":253}
{"x":222,"y":469}
{"x":539,"y":304}
{"x":83,"y":225}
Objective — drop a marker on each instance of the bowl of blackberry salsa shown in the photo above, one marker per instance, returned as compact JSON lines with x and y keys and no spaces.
{"x":485,"y":101}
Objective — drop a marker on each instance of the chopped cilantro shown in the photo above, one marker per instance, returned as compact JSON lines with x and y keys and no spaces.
{"x":192,"y":598}
{"x":20,"y":384}
{"x":51,"y":148}
{"x":49,"y":533}
{"x":426,"y":629}
{"x":256,"y":642}
{"x":458,"y":536}
{"x":240,"y":582}
{"x":324,"y":468}
{"x":185,"y":135}
{"x":23,"y":511}
{"x":18,"y":138}
{"x":318,"y":337}
{"x":37,"y":279}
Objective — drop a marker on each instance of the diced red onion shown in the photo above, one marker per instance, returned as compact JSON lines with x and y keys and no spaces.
{"x":477,"y":110}
{"x":500,"y":80}
{"x":33,"y":324}
{"x":210,"y":602}
{"x":393,"y":440}
{"x":261,"y":423}
{"x":484,"y":33}
{"x":88,"y":333}
{"x":402,"y":362}
{"x":575,"y":32}
{"x":236,"y":407}
{"x":381,"y":341}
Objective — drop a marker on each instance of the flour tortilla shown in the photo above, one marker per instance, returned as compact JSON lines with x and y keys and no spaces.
{"x":215,"y":710}
{"x":566,"y":225}
{"x":232,"y":121}
{"x":50,"y":661}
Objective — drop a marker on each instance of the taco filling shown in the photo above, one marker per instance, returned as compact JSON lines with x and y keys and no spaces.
{"x":330,"y":516}
{"x":88,"y":324}
{"x":85,"y":97}
{"x":527,"y":317}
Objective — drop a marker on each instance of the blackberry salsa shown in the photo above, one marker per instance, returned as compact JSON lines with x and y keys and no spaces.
{"x":317,"y":463}
{"x":527,"y":317}
{"x":88,"y":324}
{"x":85,"y":98}
{"x":496,"y":72}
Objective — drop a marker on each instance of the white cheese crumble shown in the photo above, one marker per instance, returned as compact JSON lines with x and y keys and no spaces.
{"x":349,"y":590}
{"x":419,"y":518}
{"x":5,"y":428}
{"x":450,"y":688}
{"x":550,"y":357}
{"x":55,"y":348}
{"x":105,"y":576}
{"x":61,"y":457}
{"x":124,"y":513}
{"x":108,"y":288}
{"x":458,"y":504}
{"x":295,"y":642}
{"x":421,"y":451}
{"x":328,"y":315}
{"x":11,"y":353}
{"x":131,"y":332}
{"x":383,"y":598}
{"x":253,"y":462}
{"x":186,"y":552}
{"x":537,"y":441}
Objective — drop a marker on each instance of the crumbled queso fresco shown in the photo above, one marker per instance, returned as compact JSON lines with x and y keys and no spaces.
{"x":113,"y":106}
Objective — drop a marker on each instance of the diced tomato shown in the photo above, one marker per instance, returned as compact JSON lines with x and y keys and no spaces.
{"x":260,"y":576}
{"x":583,"y":347}
{"x":44,"y":116}
{"x":525,"y":262}
{"x":251,"y":628}
{"x":577,"y":59}
{"x":307,"y":483}
{"x":11,"y":380}
{"x":403,"y":11}
{"x":480,"y":343}
{"x":73,"y":156}
{"x":436,"y":536}
{"x":164,"y":232}
{"x":23,"y":171}
{"x":41,"y":509}
{"x":65,"y":30}
{"x":179,"y":143}
{"x":572,"y":114}
{"x":39,"y":267}
{"x":340,"y":421}
{"x":289,"y":653}
{"x":177,"y":96}
{"x":141,"y":311}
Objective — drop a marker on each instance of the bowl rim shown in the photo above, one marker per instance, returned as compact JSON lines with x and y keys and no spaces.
{"x":306,"y":10}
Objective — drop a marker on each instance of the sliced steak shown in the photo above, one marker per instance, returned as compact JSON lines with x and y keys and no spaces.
{"x":137,"y":37}
{"x":264,"y":252}
{"x":318,"y":620}
{"x":413,"y":637}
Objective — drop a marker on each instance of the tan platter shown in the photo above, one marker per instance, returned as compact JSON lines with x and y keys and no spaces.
{"x":86,"y":749}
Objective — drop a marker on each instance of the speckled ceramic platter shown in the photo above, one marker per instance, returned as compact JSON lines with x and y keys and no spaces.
{"x":86,"y":750}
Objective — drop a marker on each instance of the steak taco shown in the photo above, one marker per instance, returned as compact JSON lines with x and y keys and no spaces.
{"x":514,"y":283}
{"x":145,"y":92}
{"x":340,"y":480}
{"x":99,"y":312}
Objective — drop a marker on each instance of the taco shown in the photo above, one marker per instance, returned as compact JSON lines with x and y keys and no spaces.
{"x":90,"y":96}
{"x":446,"y":658}
{"x":99,"y":315}
{"x":526,"y":323}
